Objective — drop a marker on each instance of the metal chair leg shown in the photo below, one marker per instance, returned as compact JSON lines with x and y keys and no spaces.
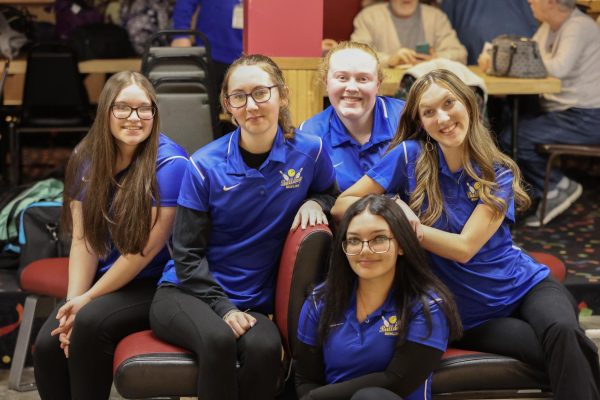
{"x":35,"y":306}
{"x":14,"y":174}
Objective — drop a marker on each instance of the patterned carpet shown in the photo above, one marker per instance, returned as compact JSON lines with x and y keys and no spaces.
{"x":574,"y":237}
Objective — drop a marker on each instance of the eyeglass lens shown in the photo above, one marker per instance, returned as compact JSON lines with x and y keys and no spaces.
{"x":259,"y":95}
{"x":380,"y":244}
{"x":123,"y":111}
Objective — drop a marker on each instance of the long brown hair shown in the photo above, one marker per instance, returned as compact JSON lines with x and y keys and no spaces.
{"x":479,"y":150}
{"x":117,"y":210}
{"x":276,"y":75}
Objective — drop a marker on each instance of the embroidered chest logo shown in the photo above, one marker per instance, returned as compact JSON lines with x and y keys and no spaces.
{"x":390,"y":326}
{"x":473,"y":191}
{"x":291,"y":178}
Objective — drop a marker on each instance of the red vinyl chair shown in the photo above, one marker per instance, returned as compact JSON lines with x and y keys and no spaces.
{"x":464,"y":374}
{"x":146,"y":367}
{"x":46,"y":281}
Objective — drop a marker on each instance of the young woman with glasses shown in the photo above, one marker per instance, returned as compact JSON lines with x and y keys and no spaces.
{"x":239,"y":198}
{"x":359,"y":125}
{"x":121,"y":190}
{"x":380,"y":323}
{"x":447,"y":170}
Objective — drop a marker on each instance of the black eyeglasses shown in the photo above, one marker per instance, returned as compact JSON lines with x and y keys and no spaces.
{"x":261,"y":94}
{"x":123,"y":111}
{"x":378,"y":245}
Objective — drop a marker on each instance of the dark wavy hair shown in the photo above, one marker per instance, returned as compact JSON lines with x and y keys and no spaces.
{"x":413,"y":280}
{"x":117,"y":211}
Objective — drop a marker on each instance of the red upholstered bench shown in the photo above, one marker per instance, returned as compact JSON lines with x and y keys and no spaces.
{"x":464,"y":374}
{"x":46,"y":280}
{"x":145,"y":367}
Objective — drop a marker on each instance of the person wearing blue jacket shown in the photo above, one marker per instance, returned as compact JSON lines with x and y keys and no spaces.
{"x":378,"y":326}
{"x":240,"y":195}
{"x":460,"y":192}
{"x":121,"y":193}
{"x":221,"y":21}
{"x":358,"y":125}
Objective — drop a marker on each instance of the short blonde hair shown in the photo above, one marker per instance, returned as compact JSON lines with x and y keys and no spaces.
{"x":324,"y":65}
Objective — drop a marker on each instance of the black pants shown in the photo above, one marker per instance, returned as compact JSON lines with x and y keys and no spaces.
{"x":375,"y":393}
{"x":544,"y":332}
{"x":98,"y":328}
{"x":189,"y":322}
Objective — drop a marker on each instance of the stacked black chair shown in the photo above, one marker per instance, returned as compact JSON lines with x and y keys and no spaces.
{"x":54,"y":99}
{"x":186,"y":94}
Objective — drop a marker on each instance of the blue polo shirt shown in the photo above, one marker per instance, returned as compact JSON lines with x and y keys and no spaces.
{"x":251,"y":210}
{"x":350,"y":159}
{"x":354,"y":349}
{"x":493,"y":282}
{"x":171,"y":164}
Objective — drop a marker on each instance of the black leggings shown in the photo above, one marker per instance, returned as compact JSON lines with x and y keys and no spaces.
{"x":544,"y":332}
{"x":375,"y":393}
{"x":189,"y":322}
{"x":98,"y":328}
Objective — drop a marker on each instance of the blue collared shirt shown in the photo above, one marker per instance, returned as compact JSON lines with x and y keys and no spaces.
{"x":354,"y":349}
{"x":251,"y":210}
{"x":171,"y":164}
{"x":493,"y":282}
{"x":350,"y":159}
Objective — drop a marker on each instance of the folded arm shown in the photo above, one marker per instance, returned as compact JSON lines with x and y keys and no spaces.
{"x":409,"y":368}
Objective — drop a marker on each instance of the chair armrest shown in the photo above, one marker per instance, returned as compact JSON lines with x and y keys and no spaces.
{"x":304,"y":261}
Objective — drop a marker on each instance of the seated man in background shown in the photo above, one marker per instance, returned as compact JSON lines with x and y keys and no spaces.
{"x":406,"y":32}
{"x":479,"y":21}
{"x":569,"y":44}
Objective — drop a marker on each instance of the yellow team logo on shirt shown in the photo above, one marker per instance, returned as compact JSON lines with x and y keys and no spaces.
{"x":292,"y":178}
{"x":390,"y":326}
{"x":473,"y":191}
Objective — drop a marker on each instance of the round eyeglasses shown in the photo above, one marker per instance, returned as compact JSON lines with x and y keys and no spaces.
{"x":260,"y":94}
{"x":378,"y":245}
{"x":123,"y":111}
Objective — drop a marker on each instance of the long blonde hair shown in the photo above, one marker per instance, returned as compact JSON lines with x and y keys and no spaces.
{"x":479,"y":150}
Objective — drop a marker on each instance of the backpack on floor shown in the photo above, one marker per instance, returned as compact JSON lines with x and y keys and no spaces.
{"x":46,"y":190}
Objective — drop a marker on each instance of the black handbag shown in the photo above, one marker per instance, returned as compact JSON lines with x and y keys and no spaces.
{"x":516,"y":57}
{"x":40,"y":234}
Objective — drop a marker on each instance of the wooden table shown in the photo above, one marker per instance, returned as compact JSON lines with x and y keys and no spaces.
{"x":593,"y":6}
{"x":496,"y":86}
{"x":306,"y":93}
{"x":301,"y":76}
